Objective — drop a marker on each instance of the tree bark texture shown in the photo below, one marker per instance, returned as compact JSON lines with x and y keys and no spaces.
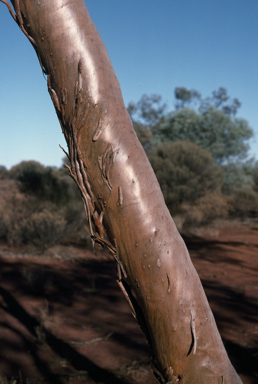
{"x":122,"y":197}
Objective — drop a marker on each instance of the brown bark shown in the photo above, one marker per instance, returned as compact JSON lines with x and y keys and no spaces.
{"x":122,"y":197}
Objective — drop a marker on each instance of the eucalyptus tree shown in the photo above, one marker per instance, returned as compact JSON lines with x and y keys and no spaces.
{"x":121,"y":195}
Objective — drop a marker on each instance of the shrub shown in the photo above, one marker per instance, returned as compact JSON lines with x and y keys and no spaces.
{"x":144,"y":135}
{"x":44,"y":229}
{"x":25,"y":220}
{"x":255,"y":178}
{"x":206,"y":209}
{"x":185,"y":171}
{"x":14,"y":210}
{"x":4,"y":173}
{"x":43,"y":182}
{"x":244,"y":202}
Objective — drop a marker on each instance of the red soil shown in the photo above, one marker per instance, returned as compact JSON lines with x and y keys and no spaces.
{"x":63,"y":318}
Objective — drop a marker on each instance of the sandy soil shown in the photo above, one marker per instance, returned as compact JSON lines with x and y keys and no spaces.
{"x":63,"y":318}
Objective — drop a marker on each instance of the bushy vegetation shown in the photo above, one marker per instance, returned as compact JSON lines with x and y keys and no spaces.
{"x":185,"y":172}
{"x":42,"y":208}
{"x":199,"y":153}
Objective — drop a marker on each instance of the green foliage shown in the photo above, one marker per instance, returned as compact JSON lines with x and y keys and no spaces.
{"x":144,"y":135}
{"x":4,"y":174}
{"x":238,"y":175}
{"x":224,"y":136}
{"x":186,"y":97}
{"x":208,"y":122}
{"x":43,"y":182}
{"x":244,"y":202}
{"x":219,"y":100}
{"x":255,"y":177}
{"x":185,"y":172}
{"x":148,"y":110}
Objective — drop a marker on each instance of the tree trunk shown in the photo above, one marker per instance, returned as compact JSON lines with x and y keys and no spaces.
{"x":122,"y":197}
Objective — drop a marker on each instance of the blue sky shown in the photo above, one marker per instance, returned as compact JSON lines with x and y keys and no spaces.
{"x":154,"y":45}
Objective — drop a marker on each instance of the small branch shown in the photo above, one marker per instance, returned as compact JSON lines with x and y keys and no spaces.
{"x":65,"y":152}
{"x":121,"y":285}
{"x":93,"y":341}
{"x":10,"y":9}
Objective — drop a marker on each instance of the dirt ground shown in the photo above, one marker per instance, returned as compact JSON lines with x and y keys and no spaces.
{"x":64,"y":320}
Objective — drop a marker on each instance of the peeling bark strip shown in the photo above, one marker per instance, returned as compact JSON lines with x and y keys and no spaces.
{"x":53,"y":95}
{"x":120,"y":196}
{"x":87,"y":96}
{"x":105,"y":163}
{"x":193,"y":314}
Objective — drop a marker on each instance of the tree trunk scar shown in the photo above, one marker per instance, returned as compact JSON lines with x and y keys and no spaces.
{"x":100,"y":128}
{"x":63,"y":105}
{"x":80,"y":76}
{"x":105,"y":162}
{"x":193,"y":330}
{"x":98,"y":131}
{"x":77,"y":90}
{"x":120,"y":196}
{"x":168,"y":284}
{"x":64,"y":96}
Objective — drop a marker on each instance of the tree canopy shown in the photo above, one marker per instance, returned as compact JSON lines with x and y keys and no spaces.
{"x":208,"y":122}
{"x":223,"y":135}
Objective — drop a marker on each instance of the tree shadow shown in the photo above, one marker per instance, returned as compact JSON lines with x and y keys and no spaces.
{"x":215,"y":250}
{"x":61,"y":348}
{"x":91,"y":284}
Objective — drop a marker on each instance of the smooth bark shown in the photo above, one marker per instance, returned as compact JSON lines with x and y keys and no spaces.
{"x":122,"y":197}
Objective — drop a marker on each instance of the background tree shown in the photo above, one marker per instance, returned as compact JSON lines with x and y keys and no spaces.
{"x":185,"y":97}
{"x":220,"y":99}
{"x":238,"y":175}
{"x":147,"y":111}
{"x":226,"y":137}
{"x":209,"y":123}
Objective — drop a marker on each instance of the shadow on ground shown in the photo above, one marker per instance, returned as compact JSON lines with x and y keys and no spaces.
{"x":66,"y":320}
